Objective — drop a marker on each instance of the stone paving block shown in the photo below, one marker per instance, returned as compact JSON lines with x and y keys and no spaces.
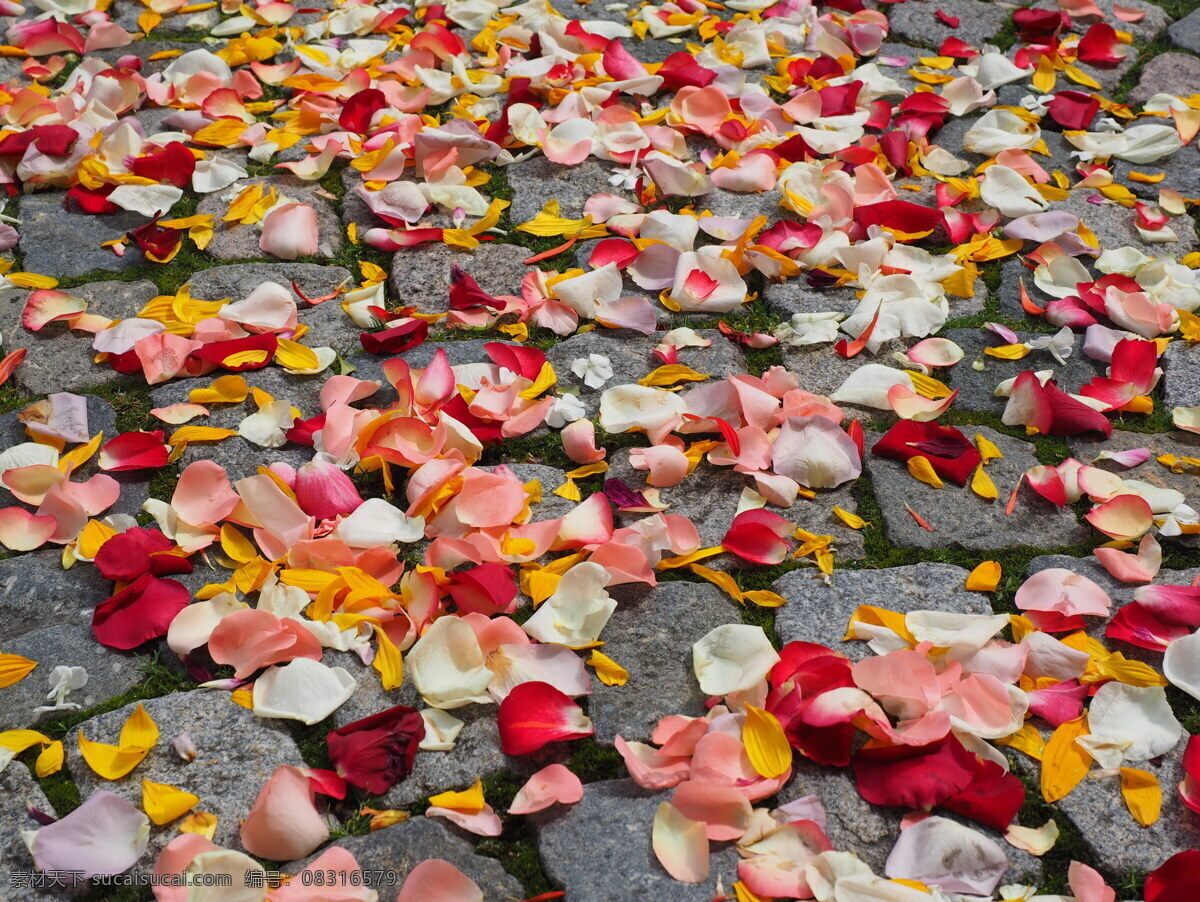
{"x":239,"y":456}
{"x":1181,"y":173}
{"x":72,"y":644}
{"x":631,"y":355}
{"x":421,"y":275}
{"x":721,"y":202}
{"x":854,"y":825}
{"x":959,"y":517}
{"x":795,"y":295}
{"x":709,"y":498}
{"x":394,"y":851}
{"x":1114,"y":225}
{"x":18,"y":792}
{"x":653,"y":50}
{"x":819,"y":612}
{"x":60,"y":359}
{"x":651,"y":634}
{"x":1186,"y":32}
{"x":1153,"y":22}
{"x":328,"y":324}
{"x":1167,"y":73}
{"x":36,"y":592}
{"x":1097,"y":810}
{"x":537,"y":180}
{"x":822,"y":371}
{"x":1181,"y":379}
{"x":599,"y":849}
{"x":1012,"y":273}
{"x":67,"y":244}
{"x":917,"y":21}
{"x":977,"y":388}
{"x":233,"y":241}
{"x":1181,"y":444}
{"x":236,"y":753}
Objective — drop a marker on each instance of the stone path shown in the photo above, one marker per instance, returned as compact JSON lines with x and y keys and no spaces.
{"x":676,"y":451}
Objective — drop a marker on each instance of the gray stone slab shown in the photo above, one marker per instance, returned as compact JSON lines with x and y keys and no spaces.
{"x":1085,"y":448}
{"x":538,"y":180}
{"x":1097,"y":810}
{"x":820,"y":612}
{"x":62,"y":244}
{"x":959,"y":517}
{"x":1181,"y":172}
{"x":1167,"y":73}
{"x":1150,"y":26}
{"x":1181,"y":374}
{"x":72,"y":644}
{"x":18,"y":792}
{"x":233,"y":241}
{"x":236,"y":753}
{"x":60,"y":359}
{"x":421,"y":275}
{"x":36,"y":592}
{"x":631,"y":355}
{"x":977,"y":388}
{"x":796,"y":296}
{"x":394,"y":851}
{"x":328,"y":324}
{"x":239,"y":456}
{"x":600,"y":847}
{"x":653,"y":50}
{"x":1186,"y":32}
{"x":735,"y":205}
{"x":917,"y":21}
{"x":1113,"y":226}
{"x":709,"y":498}
{"x":869,"y":831}
{"x":822,"y":371}
{"x":1012,"y":273}
{"x":651,"y":634}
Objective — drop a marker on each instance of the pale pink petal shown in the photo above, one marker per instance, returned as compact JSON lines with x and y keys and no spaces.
{"x":283,"y":823}
{"x":551,"y":785}
{"x":579,"y":442}
{"x":680,"y":844}
{"x":723,"y":810}
{"x":22,"y":531}
{"x":436,"y":880}
{"x":203,"y":495}
{"x":1124,"y":517}
{"x":1062,"y":591}
{"x":290,"y":231}
{"x":482,"y":823}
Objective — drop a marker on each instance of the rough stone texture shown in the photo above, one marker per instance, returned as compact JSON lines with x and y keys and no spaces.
{"x":421,"y":275}
{"x":1097,"y":810}
{"x":396,"y":850}
{"x":1167,"y":73}
{"x":327,"y":322}
{"x":1181,"y":170}
{"x":959,"y":517}
{"x":817,"y":612}
{"x":239,"y":456}
{"x":72,"y":644}
{"x":1120,"y":593}
{"x":1150,"y":26}
{"x":631,"y":355}
{"x":35,"y":592}
{"x":721,"y":202}
{"x":917,"y":21}
{"x":1114,"y":225}
{"x":599,"y":849}
{"x":977,"y":388}
{"x":714,"y":508}
{"x":233,"y":241}
{"x":538,"y":180}
{"x":67,"y":244}
{"x":60,"y":359}
{"x":551,"y":478}
{"x":854,"y":825}
{"x":651,"y":634}
{"x":1186,"y":32}
{"x":236,"y":753}
{"x":822,"y":371}
{"x":18,"y":791}
{"x":1012,"y":273}
{"x":1181,"y":380}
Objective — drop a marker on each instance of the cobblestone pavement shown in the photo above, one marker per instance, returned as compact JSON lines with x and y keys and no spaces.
{"x":678,"y":451}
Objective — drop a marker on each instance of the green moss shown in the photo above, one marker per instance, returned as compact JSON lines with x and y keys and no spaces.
{"x":592,"y":763}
